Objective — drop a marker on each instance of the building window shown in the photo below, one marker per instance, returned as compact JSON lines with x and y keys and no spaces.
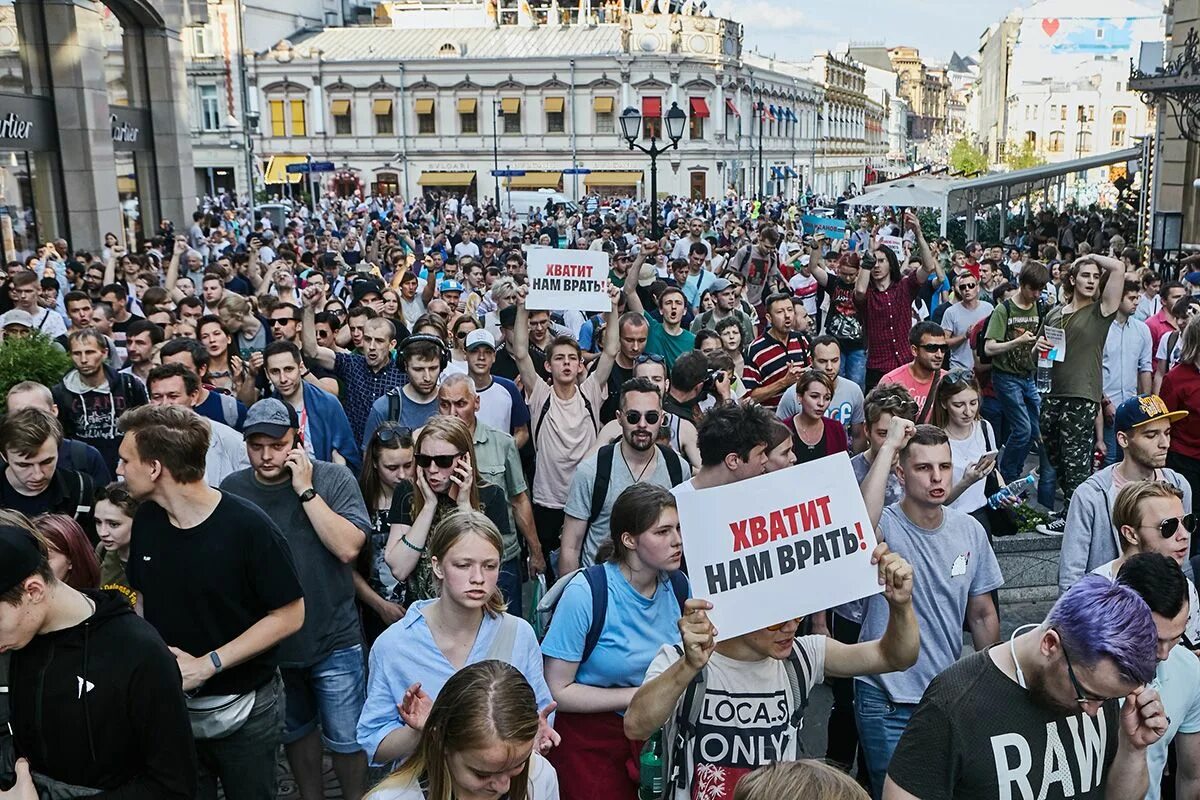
{"x":385,"y":124}
{"x":387,"y":184}
{"x":341,"y":117}
{"x":1031,"y":138}
{"x":1084,"y":143}
{"x":426,"y":123}
{"x":299,"y":123}
{"x":1118,"y":137}
{"x":1119,"y":119}
{"x":1053,"y":112}
{"x":200,"y":42}
{"x":652,"y":117}
{"x":468,"y":117}
{"x":555,"y":117}
{"x":278,"y":126}
{"x":1056,"y":142}
{"x":1063,"y":113}
{"x":695,"y":127}
{"x":1091,"y":117}
{"x":1079,"y":114}
{"x":605,"y":117}
{"x":210,"y":109}
{"x":510,"y":107}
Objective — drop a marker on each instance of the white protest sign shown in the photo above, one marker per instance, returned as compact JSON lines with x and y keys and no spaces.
{"x":561,"y":280}
{"x":779,"y":546}
{"x":895,"y":244}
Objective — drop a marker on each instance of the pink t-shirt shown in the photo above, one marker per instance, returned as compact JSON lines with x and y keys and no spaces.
{"x":903,"y":376}
{"x":563,"y":437}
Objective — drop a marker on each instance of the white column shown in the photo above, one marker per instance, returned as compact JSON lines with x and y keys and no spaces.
{"x":718,"y":111}
{"x":317,"y":109}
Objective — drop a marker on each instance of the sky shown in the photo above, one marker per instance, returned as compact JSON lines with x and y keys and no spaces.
{"x":795,"y":29}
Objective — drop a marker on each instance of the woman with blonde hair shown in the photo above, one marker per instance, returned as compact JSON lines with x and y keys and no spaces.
{"x":808,"y":779}
{"x":414,"y":658}
{"x":479,"y":742}
{"x":447,"y":479}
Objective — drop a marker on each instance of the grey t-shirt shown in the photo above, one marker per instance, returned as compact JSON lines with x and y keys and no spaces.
{"x":892,"y":493}
{"x":579,"y":497}
{"x":958,"y":321}
{"x":950,"y":565}
{"x":330,"y":616}
{"x":846,"y":405}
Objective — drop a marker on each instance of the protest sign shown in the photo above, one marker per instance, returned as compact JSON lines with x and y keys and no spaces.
{"x":779,"y":546}
{"x":829,"y":226}
{"x":896,"y":245}
{"x":561,"y":280}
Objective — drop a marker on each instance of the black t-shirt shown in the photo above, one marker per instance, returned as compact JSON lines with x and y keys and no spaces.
{"x":28,"y":505}
{"x":505,"y":366}
{"x":978,"y":734}
{"x":673,"y":406}
{"x":119,"y":328}
{"x":618,"y":376}
{"x":205,"y":586}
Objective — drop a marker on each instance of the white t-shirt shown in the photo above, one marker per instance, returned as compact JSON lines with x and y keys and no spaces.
{"x":965,"y":452}
{"x":745,"y":716}
{"x":1161,"y":353}
{"x":543,"y":785}
{"x":805,"y":287}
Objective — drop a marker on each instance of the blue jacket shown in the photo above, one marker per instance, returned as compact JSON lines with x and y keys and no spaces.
{"x":329,"y":427}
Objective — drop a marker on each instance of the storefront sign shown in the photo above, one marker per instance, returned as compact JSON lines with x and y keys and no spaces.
{"x":27,"y":123}
{"x":13,"y":127}
{"x":130,"y":128}
{"x":123,"y":132}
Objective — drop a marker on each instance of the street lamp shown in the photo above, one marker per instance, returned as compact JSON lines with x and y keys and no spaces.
{"x":497,"y":115}
{"x":631,"y":130}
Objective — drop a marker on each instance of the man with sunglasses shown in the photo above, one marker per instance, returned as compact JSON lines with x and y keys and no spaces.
{"x":961,"y":317}
{"x":634,"y":458}
{"x":1091,"y":538}
{"x":920,"y":376}
{"x":1041,"y":715}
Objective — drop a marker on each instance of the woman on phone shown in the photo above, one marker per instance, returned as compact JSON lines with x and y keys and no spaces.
{"x":413,"y":659}
{"x":479,"y":742}
{"x":226,"y":371}
{"x":972,"y":442}
{"x":813,"y":434}
{"x":447,"y":479}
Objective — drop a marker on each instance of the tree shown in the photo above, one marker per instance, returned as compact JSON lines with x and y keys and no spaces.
{"x":31,"y":358}
{"x":1024,"y":156}
{"x":967,"y":157}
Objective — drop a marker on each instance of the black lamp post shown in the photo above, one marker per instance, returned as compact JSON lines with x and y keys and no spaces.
{"x":631,"y":129}
{"x":497,"y":114}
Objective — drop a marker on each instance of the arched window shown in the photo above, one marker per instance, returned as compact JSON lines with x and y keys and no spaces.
{"x":1119,"y":119}
{"x":1056,"y":142}
{"x":448,"y":49}
{"x":1031,"y":138}
{"x":1084,"y":144}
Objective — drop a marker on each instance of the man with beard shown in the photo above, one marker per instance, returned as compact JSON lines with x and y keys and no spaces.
{"x":601,"y":478}
{"x":921,"y":375}
{"x":1041,"y":716}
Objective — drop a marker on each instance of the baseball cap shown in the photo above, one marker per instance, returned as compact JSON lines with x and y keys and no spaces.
{"x":719,"y":285}
{"x":270,"y":416}
{"x":17,"y":317}
{"x":450,"y":285}
{"x":364,"y":287}
{"x":648,"y":275}
{"x":1137,"y":411}
{"x":479,"y":338}
{"x":20,"y":556}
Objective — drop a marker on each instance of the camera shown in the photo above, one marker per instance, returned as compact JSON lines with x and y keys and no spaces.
{"x":715,"y":376}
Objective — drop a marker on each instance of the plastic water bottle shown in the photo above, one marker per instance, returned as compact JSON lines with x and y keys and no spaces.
{"x":650,"y":769}
{"x":1017,"y":488}
{"x":1045,"y":368}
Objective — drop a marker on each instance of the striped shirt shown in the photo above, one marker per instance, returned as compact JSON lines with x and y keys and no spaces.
{"x":362,"y":386}
{"x":767,"y":362}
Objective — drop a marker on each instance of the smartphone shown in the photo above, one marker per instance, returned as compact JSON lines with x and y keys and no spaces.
{"x":990,"y":454}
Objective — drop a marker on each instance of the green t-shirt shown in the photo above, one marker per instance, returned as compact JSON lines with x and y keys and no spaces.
{"x":1080,"y":374}
{"x":1008,"y":322}
{"x":669,"y":347}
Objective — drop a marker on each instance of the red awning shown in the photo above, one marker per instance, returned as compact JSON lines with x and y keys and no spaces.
{"x":732,"y":108}
{"x":699,"y":107}
{"x":651,"y":106}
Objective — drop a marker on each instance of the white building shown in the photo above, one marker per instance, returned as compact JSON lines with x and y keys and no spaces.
{"x":883,"y":87}
{"x":445,"y":94}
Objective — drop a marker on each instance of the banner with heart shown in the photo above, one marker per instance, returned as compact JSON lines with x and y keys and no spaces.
{"x":1050,"y":26}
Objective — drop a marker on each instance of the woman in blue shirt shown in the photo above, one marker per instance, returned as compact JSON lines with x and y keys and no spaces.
{"x":642,"y":612}
{"x":412,"y":660}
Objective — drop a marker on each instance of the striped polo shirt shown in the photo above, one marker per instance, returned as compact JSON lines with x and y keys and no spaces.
{"x":768,"y":359}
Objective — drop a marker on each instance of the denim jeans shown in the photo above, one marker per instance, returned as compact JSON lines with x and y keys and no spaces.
{"x":1113,"y":454}
{"x":245,"y":761}
{"x":880,"y":725}
{"x":509,"y":582}
{"x":331,"y":692}
{"x":854,"y":366}
{"x":1020,"y":404}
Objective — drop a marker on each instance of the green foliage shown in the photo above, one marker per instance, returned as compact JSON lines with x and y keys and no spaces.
{"x":1025,"y":156}
{"x":35,"y":358}
{"x":967,"y":158}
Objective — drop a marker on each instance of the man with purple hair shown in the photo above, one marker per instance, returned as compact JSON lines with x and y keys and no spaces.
{"x":1040,"y":716}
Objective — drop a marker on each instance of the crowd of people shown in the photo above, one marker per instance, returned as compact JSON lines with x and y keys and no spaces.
{"x":329,"y":486}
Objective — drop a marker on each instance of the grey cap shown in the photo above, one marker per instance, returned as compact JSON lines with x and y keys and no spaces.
{"x":719,"y":285}
{"x":17,"y":317}
{"x":270,"y":416}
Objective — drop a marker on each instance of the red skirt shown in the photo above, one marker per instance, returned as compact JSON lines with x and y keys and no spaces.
{"x":595,"y":761}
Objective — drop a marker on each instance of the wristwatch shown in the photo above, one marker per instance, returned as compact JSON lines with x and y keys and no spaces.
{"x":308,"y":494}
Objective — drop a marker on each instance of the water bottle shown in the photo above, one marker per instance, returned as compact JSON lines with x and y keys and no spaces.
{"x":1017,"y":488}
{"x":1045,"y":368}
{"x":650,"y":769}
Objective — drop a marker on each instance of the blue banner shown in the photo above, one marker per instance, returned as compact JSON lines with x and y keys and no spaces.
{"x":832,"y":228}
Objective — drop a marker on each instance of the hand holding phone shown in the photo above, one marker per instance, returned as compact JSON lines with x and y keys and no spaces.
{"x":301,"y":467}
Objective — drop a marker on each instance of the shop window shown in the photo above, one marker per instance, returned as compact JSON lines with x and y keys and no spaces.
{"x":210,"y":109}
{"x":278,"y":124}
{"x":341,"y":117}
{"x":387,"y":184}
{"x":299,"y":124}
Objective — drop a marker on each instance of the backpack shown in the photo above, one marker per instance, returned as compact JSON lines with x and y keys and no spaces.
{"x":78,"y":499}
{"x":977,"y":334}
{"x":597,"y":580}
{"x":395,"y":402}
{"x":605,"y":457}
{"x":682,"y":726}
{"x":587,"y":404}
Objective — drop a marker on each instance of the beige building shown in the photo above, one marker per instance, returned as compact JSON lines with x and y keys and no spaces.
{"x":927,"y":90}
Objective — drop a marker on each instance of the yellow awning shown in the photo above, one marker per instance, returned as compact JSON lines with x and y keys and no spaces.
{"x":466,"y":105}
{"x":535,"y":180}
{"x":510,"y":105}
{"x":612,"y":179}
{"x":445,"y":178}
{"x":381,"y":108}
{"x":341,"y":108}
{"x":602,"y":105}
{"x":554,"y":105}
{"x":424,"y":105}
{"x":277,"y":169}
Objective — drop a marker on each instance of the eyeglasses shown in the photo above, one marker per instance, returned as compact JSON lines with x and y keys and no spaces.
{"x":649,"y":358}
{"x":957,"y":376}
{"x":392,"y":432}
{"x":1082,"y":696}
{"x":443,"y":462}
{"x":934,"y":348}
{"x":785,"y":623}
{"x":461,"y":334}
{"x":967,"y":285}
{"x":634,"y":417}
{"x":338,"y":312}
{"x":281,"y":321}
{"x":1168,"y":527}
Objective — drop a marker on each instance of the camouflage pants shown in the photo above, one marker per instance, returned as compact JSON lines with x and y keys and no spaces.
{"x":1069,"y":434}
